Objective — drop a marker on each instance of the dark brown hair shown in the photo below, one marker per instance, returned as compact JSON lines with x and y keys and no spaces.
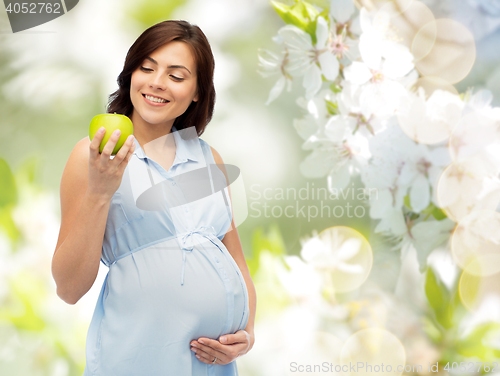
{"x":198,"y":113}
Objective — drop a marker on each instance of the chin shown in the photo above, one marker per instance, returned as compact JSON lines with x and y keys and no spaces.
{"x":153,"y":118}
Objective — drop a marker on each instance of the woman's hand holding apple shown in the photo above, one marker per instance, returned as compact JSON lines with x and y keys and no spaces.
{"x":105,"y":174}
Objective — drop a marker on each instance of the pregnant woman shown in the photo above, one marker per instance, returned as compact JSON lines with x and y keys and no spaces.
{"x":178,"y":298}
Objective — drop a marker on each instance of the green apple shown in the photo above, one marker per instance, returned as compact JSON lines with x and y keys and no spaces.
{"x":111,"y":122}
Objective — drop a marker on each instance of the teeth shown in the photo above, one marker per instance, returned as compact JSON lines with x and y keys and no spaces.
{"x":153,"y":99}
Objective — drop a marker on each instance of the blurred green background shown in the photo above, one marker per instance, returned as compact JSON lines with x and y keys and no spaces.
{"x":54,"y":78}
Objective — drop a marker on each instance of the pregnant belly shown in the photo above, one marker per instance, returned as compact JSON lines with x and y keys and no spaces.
{"x":146,"y":305}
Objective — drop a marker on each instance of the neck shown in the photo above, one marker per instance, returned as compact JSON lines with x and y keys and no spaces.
{"x":146,"y":133}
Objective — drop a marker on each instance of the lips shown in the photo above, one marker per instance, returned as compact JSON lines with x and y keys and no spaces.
{"x":155,"y":96}
{"x":153,"y":102}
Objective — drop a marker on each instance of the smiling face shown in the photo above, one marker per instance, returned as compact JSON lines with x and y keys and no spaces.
{"x":162,"y":88}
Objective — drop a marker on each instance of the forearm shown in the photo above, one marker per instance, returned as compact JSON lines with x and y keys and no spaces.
{"x":252,"y":299}
{"x":75,"y":263}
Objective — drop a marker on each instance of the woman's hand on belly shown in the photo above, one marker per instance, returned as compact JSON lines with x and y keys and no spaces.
{"x":227,"y":349}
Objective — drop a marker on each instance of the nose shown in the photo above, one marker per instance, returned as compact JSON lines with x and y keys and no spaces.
{"x":158,"y":82}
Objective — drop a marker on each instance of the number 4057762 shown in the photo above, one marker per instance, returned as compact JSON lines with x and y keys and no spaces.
{"x":33,"y":7}
{"x":472,"y":367}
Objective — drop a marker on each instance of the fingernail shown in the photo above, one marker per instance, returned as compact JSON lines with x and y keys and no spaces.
{"x":200,"y":341}
{"x":193,"y":349}
{"x":102,"y":130}
{"x":197,"y":356}
{"x":223,"y":339}
{"x":118,"y":132}
{"x":194,"y":345}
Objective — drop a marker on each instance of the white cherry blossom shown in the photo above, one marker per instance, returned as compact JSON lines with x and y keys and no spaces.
{"x":304,"y":57}
{"x":430,"y":120}
{"x":422,"y":172}
{"x":331,"y":257}
{"x":380,"y":75}
{"x":478,"y":131}
{"x":390,"y":152}
{"x":313,"y":123}
{"x":399,"y":141}
{"x":271,"y":63}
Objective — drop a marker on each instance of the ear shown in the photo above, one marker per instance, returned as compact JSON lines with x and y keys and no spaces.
{"x":195,"y":99}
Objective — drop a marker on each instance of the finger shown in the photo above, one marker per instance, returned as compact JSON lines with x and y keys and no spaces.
{"x":124,"y":150}
{"x":128,"y":157}
{"x":214,"y":344}
{"x":110,"y":145}
{"x":208,"y":357}
{"x":96,"y":142}
{"x":229,"y":353}
{"x":238,"y":337}
{"x":203,"y":356}
{"x":212,"y":347}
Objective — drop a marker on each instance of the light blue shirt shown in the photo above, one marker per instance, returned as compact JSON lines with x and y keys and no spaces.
{"x":171,"y":280}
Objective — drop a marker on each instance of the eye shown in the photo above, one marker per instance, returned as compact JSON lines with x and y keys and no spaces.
{"x":177,"y":78}
{"x":146,"y":69}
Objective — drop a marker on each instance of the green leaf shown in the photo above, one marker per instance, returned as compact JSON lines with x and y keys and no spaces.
{"x":281,"y":9}
{"x":439,"y":214}
{"x":150,"y":12}
{"x":439,"y":299}
{"x":473,"y":345}
{"x":271,"y":242}
{"x":436,"y":212}
{"x":431,"y":330}
{"x":302,"y":14}
{"x":273,"y":297}
{"x":8,"y":190}
{"x":412,"y":216}
{"x":290,"y":18}
{"x":335,"y":88}
{"x":428,"y":235}
{"x":8,"y":200}
{"x":27,"y":295}
{"x":312,"y":15}
{"x":275,"y":240}
{"x":332,"y":108}
{"x":25,"y":174}
{"x":324,"y":4}
{"x":7,"y":223}
{"x":407,"y":201}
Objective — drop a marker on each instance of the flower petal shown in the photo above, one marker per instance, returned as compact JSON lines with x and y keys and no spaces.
{"x":381,"y":99}
{"x":336,"y":127}
{"x":369,"y":48}
{"x":313,"y":248}
{"x":349,"y":249}
{"x":316,"y":164}
{"x":329,"y":65}
{"x":342,"y":10}
{"x":339,"y":179}
{"x":357,"y":73}
{"x":322,"y":32}
{"x":350,"y":268}
{"x":419,"y":193}
{"x":305,"y":127}
{"x":398,"y":59}
{"x":312,"y":81}
{"x":365,"y":20}
{"x":381,"y":204}
{"x":295,"y":38}
{"x":276,"y":90}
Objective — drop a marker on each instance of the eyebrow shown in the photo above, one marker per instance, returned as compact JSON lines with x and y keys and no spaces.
{"x":170,"y":66}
